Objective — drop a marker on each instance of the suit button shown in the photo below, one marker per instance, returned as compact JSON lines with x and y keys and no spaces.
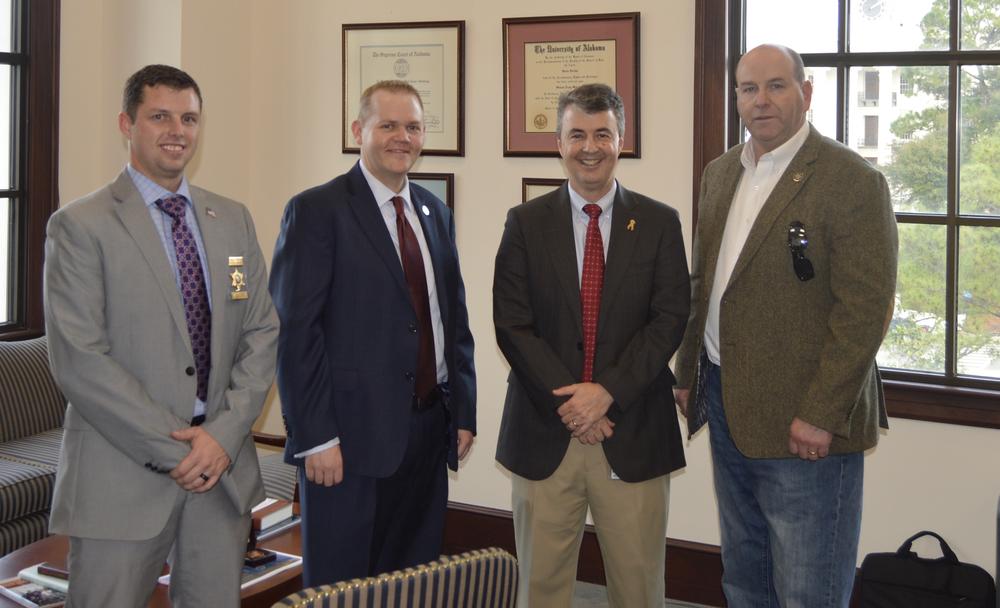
{"x":413,"y":328}
{"x":409,"y":375}
{"x":579,"y":346}
{"x":189,"y":371}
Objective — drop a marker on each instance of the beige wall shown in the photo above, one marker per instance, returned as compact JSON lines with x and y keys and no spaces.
{"x":270,"y":73}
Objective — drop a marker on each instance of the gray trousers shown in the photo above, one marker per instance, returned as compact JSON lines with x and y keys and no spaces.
{"x":204,"y":540}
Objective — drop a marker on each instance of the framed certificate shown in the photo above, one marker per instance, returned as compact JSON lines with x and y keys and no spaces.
{"x":441,"y":185}
{"x":546,"y":56}
{"x":428,"y":55}
{"x":533,"y":187}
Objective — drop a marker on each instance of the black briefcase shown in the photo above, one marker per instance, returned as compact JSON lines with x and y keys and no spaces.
{"x":905,"y":580}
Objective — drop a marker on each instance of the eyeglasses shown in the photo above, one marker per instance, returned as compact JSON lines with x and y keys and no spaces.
{"x":797,"y":243}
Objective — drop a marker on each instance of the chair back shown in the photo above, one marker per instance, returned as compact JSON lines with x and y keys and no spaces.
{"x":484,"y":578}
{"x":30,"y":401}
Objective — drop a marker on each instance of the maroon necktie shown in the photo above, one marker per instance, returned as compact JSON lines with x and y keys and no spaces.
{"x":196,"y":311}
{"x":590,"y":288}
{"x":416,"y":280}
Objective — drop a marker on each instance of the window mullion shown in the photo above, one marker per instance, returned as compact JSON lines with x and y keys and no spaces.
{"x":952,"y":242}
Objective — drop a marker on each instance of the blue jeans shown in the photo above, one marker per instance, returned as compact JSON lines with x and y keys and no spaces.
{"x":790,"y":527}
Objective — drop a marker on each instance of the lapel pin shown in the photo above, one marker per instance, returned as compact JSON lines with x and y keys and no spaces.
{"x":631,"y":225}
{"x":210,"y":211}
{"x":797,"y":177}
{"x":426,"y":211}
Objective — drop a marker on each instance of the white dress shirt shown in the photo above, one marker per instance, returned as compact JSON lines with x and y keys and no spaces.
{"x":581,"y":220}
{"x":758,"y":181}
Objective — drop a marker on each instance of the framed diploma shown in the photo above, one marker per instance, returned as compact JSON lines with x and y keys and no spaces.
{"x":546,"y":56}
{"x":441,"y":185}
{"x":533,"y":187}
{"x":428,"y":55}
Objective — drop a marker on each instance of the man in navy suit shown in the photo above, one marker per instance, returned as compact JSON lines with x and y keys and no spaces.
{"x":375,"y":366}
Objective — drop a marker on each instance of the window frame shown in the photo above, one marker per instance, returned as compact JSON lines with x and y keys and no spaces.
{"x":718,"y":40}
{"x":36,"y":161}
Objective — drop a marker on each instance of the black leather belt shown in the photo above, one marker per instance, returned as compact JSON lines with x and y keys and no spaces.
{"x":438,"y":394}
{"x":198,"y":420}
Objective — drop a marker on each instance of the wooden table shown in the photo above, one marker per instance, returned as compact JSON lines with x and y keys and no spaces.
{"x":261,"y":595}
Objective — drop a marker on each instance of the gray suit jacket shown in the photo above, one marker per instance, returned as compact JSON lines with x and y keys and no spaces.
{"x":120,"y":349}
{"x":536,"y":310}
{"x":789,"y":347}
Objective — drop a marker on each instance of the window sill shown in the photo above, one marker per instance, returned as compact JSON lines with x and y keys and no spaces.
{"x":944,"y":404}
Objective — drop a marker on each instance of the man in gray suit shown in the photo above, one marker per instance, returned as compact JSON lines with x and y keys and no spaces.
{"x":793,"y":278}
{"x":162,"y":337}
{"x":590,"y":299}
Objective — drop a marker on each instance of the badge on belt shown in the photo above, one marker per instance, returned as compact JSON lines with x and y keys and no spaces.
{"x":237,"y":279}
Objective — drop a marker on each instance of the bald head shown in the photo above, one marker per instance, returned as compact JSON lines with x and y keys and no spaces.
{"x":773,"y":52}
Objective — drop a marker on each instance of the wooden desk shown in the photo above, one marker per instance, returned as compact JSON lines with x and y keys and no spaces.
{"x":261,"y":595}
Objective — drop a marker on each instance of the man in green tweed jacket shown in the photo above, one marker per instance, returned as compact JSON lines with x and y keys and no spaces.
{"x":794,"y":272}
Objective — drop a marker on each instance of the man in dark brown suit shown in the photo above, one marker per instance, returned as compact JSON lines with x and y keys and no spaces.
{"x":590,"y":299}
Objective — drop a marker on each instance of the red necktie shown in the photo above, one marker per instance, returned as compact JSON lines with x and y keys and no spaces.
{"x":196,"y":311}
{"x":416,"y":280}
{"x":590,"y":288}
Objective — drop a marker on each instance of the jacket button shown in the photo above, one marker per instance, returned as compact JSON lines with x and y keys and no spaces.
{"x":579,"y":346}
{"x":413,"y":328}
{"x":409,"y":375}
{"x":189,"y":371}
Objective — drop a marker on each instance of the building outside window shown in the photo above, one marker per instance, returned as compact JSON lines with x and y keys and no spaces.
{"x":938,"y":143}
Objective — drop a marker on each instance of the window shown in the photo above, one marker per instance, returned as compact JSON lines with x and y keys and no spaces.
{"x":905,"y":86}
{"x":28,"y":94}
{"x":939,"y":147}
{"x":870,"y":139}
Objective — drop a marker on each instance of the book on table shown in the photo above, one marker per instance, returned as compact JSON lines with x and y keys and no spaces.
{"x":251,"y":575}
{"x":269,"y":512}
{"x":42,"y":574}
{"x":31,"y":595}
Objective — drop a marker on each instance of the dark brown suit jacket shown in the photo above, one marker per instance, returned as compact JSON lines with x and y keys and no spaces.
{"x":644,"y":307}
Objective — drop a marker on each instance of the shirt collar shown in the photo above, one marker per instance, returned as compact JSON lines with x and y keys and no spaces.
{"x":604,"y":202}
{"x":152,"y":191}
{"x":382,"y":193}
{"x":781,"y":154}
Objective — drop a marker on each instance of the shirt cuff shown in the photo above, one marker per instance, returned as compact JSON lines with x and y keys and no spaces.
{"x":319,"y":448}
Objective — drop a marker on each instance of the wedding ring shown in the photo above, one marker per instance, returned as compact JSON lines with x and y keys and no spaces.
{"x":811,"y":453}
{"x":203,"y":476}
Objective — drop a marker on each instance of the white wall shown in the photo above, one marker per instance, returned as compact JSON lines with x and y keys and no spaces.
{"x":270,"y":74}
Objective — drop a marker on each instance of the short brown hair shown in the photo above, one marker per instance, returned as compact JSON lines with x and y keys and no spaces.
{"x":392,"y":86}
{"x":593,"y":99}
{"x":151,"y":76}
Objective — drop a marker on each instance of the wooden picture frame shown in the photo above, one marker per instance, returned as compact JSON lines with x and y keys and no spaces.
{"x":533,"y":187}
{"x":545,"y":56}
{"x":441,"y":185}
{"x":430,"y":55}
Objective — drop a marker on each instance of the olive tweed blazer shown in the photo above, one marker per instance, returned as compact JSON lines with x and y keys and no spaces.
{"x":790,"y":347}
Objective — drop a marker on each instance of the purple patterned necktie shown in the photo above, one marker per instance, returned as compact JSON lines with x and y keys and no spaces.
{"x":196,"y":311}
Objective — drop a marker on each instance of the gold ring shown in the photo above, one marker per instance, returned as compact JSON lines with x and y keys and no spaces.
{"x":811,"y":453}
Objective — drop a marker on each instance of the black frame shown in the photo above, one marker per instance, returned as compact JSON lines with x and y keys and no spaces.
{"x":34,"y":158}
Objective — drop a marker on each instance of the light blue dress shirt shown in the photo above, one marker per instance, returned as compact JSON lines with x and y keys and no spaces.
{"x":152,"y":192}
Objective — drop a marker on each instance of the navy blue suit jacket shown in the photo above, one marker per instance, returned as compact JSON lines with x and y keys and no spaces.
{"x":347,"y":352}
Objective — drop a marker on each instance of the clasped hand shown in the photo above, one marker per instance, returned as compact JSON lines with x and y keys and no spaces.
{"x":203,"y":466}
{"x":584,"y":413}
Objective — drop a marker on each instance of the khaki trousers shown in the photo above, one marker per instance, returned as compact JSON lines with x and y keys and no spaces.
{"x":631,"y":524}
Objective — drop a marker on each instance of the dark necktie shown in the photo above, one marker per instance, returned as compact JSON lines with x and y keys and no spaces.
{"x":196,"y":311}
{"x":416,"y":280}
{"x":590,"y":288}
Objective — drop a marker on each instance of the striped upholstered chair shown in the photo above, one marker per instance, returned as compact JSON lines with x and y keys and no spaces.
{"x":31,"y":417}
{"x":484,"y":578}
